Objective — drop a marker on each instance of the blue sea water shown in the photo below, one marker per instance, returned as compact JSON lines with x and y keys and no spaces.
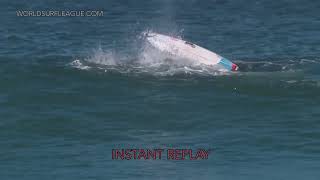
{"x":74,"y":88}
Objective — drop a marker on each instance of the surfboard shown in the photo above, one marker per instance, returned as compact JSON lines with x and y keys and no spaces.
{"x":187,"y":50}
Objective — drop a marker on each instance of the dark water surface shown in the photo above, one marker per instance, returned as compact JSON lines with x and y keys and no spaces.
{"x":74,"y":88}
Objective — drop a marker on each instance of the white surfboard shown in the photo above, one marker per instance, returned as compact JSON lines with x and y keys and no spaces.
{"x":188,"y":50}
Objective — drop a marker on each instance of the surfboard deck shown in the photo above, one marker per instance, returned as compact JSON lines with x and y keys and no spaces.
{"x":188,"y":50}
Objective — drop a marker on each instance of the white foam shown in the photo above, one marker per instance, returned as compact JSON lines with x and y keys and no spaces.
{"x":78,"y":64}
{"x":144,"y":59}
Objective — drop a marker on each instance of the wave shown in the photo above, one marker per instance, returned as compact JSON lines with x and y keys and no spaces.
{"x":147,"y":60}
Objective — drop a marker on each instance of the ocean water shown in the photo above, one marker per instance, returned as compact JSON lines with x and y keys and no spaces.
{"x":74,"y":88}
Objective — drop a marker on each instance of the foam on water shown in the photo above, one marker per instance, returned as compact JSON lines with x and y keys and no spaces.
{"x":142,"y":58}
{"x":145,"y":59}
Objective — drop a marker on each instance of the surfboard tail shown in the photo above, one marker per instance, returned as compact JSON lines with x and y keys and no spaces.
{"x":228,"y":64}
{"x":234,"y":67}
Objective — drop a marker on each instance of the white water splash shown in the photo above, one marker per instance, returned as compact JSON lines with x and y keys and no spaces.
{"x":78,"y":64}
{"x":148,"y":60}
{"x":102,"y":57}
